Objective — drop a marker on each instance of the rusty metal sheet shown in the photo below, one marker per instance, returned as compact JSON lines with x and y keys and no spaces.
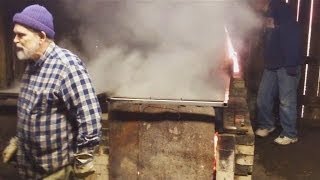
{"x":161,"y":142}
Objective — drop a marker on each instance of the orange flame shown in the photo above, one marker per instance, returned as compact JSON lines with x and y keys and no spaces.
{"x":232,"y":53}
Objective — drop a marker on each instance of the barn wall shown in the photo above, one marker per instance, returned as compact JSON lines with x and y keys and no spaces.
{"x":11,"y":69}
{"x":309,"y":90}
{"x":315,"y":43}
{"x":3,"y":53}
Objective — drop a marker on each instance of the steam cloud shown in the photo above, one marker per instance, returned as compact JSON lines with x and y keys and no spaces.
{"x":159,"y":48}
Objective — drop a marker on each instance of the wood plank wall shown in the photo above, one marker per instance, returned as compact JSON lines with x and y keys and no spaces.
{"x":309,"y":109}
{"x":3,"y":54}
{"x":11,"y":69}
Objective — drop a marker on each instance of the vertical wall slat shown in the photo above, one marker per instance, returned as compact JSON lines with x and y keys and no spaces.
{"x":312,"y":79}
{"x":311,"y":99}
{"x":3,"y":54}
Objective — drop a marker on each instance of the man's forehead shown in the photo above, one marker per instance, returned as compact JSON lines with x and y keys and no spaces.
{"x":22,"y":29}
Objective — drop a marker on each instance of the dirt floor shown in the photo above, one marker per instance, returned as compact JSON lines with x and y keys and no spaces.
{"x":298,"y":161}
{"x":7,"y":130}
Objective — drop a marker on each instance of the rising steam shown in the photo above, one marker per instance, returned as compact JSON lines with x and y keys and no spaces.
{"x":160,"y":49}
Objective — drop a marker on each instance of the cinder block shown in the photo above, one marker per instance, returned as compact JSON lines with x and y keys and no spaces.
{"x":247,"y":139}
{"x":238,"y":92}
{"x":244,"y":159}
{"x":237,"y":103}
{"x":244,"y":117}
{"x":223,"y":175}
{"x":225,"y":162}
{"x":226,"y":142}
{"x":246,"y":150}
{"x":249,"y":177}
{"x":243,"y":170}
{"x":238,"y":83}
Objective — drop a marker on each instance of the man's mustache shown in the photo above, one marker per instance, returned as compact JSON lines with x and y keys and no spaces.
{"x":19,"y":48}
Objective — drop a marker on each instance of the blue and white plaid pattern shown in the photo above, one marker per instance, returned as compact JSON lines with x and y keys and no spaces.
{"x":58,"y":113}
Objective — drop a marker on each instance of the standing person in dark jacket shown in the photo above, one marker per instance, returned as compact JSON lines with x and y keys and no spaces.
{"x":282,"y":59}
{"x":58,"y":111}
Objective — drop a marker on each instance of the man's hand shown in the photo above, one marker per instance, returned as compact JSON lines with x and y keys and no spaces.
{"x":83,"y":164}
{"x":10,"y":150}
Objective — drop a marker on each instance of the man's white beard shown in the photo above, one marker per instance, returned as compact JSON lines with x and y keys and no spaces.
{"x":21,"y":55}
{"x":26,"y":53}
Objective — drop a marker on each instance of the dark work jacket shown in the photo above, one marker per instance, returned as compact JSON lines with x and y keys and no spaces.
{"x":283,"y":44}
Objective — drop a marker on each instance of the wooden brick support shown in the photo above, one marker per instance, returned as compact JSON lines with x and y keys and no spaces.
{"x":236,"y":117}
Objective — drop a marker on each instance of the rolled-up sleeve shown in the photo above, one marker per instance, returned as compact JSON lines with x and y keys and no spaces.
{"x":82,"y":105}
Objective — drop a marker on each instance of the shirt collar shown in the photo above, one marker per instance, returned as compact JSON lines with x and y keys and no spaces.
{"x":45,"y":55}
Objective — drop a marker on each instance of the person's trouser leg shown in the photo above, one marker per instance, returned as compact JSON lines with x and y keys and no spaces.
{"x":288,"y":86}
{"x":265,"y":99}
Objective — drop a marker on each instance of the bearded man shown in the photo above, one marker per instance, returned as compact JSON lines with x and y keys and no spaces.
{"x":58,"y":111}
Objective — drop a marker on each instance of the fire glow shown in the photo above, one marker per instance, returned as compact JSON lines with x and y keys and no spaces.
{"x":232,"y":54}
{"x":215,"y":143}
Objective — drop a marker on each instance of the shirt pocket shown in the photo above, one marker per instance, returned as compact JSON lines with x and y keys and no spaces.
{"x":45,"y":102}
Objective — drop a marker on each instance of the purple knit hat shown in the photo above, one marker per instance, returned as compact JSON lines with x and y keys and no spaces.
{"x":36,"y":17}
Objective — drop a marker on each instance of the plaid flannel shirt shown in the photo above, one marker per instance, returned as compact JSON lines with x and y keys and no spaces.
{"x":58,"y":113}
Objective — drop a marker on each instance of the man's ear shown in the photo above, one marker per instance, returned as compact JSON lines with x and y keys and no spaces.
{"x":43,"y":36}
